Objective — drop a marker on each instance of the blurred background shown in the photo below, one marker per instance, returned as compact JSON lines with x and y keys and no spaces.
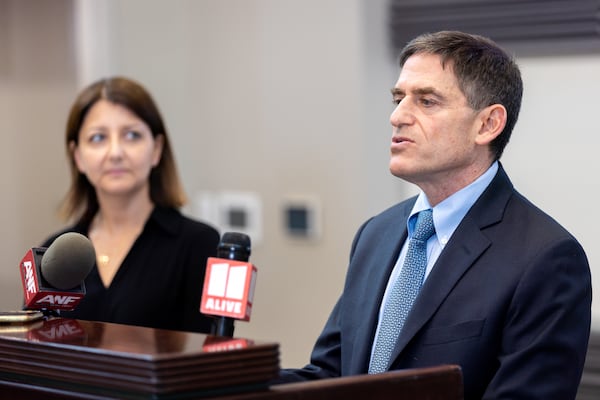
{"x":275,"y":106}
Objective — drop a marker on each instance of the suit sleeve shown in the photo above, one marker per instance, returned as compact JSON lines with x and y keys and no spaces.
{"x":325,"y":359}
{"x":547,"y":328}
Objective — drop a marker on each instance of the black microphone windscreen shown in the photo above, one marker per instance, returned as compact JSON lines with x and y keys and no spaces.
{"x":68,"y":260}
{"x":234,"y":246}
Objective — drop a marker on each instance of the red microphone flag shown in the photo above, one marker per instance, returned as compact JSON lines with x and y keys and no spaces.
{"x":38,"y":294}
{"x":228,"y":288}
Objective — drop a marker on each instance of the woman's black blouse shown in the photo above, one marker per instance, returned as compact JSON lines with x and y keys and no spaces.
{"x":159,"y":283}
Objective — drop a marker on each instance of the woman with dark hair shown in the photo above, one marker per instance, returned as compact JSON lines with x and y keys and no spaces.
{"x":124,"y":195}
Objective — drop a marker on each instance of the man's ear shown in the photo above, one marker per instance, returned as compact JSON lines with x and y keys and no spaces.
{"x":493,"y":121}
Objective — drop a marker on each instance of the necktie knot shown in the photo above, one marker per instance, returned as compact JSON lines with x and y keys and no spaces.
{"x":424,"y":228}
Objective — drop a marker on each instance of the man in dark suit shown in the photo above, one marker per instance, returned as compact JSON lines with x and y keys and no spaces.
{"x":505,"y":291}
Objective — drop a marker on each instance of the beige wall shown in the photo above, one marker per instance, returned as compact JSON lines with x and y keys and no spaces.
{"x":270,"y":96}
{"x":278,"y":97}
{"x":37,"y":67}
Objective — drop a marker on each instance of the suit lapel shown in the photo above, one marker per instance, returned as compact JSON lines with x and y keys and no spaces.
{"x":454,"y":261}
{"x":466,"y":245}
{"x":377,"y":264}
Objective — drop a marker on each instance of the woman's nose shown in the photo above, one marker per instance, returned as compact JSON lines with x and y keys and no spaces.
{"x":115,"y":147}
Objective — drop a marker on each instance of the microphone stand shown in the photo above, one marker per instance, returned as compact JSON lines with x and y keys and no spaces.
{"x":223,"y":327}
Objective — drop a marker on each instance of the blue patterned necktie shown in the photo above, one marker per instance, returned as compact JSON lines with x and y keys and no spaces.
{"x":403,"y":293}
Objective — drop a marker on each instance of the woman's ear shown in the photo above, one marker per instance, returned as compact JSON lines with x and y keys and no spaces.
{"x":493,"y":121}
{"x":159,"y":143}
{"x":76,"y":157}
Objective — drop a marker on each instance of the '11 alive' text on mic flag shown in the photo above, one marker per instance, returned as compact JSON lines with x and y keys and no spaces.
{"x":229,"y":283}
{"x":228,"y":288}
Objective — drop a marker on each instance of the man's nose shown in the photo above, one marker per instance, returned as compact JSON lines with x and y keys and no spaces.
{"x":402,"y":114}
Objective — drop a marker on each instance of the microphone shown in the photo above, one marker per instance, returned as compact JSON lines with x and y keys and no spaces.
{"x":229,"y":283}
{"x":53,"y":277}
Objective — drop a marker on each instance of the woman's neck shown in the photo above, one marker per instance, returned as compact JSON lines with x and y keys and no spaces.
{"x":117,"y":213}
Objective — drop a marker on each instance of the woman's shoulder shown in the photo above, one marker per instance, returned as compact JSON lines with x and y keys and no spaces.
{"x":173,"y":220}
{"x":199,"y":226}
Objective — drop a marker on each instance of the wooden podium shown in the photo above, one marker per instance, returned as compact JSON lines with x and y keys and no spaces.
{"x":62,"y":358}
{"x":436,"y":383}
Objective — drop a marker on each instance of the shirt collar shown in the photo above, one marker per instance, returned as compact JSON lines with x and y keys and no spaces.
{"x":450,"y":212}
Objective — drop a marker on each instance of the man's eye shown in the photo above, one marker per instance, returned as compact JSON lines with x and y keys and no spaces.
{"x":396,"y":100}
{"x":428,"y":102}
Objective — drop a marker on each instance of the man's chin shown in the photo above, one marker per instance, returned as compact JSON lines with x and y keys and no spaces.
{"x":399,"y":171}
{"x":404,"y":173}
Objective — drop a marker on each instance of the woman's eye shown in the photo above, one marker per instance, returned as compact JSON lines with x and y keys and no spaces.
{"x":132,"y":135}
{"x":96,"y":137}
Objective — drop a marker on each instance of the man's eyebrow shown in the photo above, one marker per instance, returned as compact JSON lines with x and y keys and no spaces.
{"x":427,"y":90}
{"x":419,"y":91}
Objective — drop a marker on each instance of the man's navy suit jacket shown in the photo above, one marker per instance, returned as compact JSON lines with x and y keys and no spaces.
{"x":509,"y":300}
